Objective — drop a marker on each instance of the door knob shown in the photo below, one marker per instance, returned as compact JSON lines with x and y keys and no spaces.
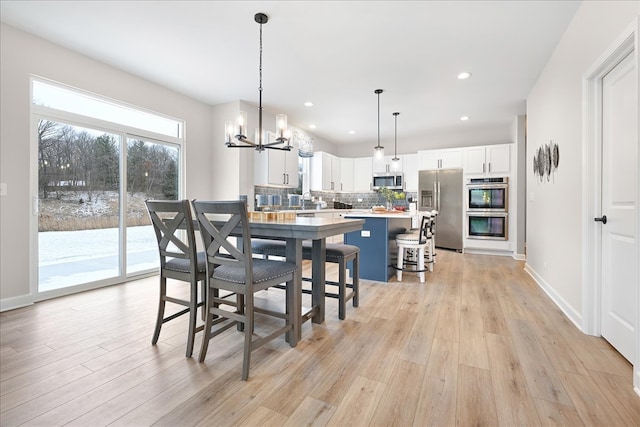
{"x":602,"y":219}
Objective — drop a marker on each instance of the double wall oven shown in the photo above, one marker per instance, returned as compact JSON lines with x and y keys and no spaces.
{"x":487,"y":208}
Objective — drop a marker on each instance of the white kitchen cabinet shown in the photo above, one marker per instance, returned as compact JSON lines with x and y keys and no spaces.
{"x":362,"y":174}
{"x":385,"y":164}
{"x":276,"y":167}
{"x":346,"y":174}
{"x":325,"y":172}
{"x":410,"y":172}
{"x":490,"y":160}
{"x":440,"y":159}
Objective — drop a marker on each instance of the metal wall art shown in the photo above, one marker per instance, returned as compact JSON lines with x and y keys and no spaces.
{"x":546,"y":160}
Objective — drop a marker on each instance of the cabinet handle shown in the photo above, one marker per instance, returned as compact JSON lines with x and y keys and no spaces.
{"x":489,"y":167}
{"x":483,"y":168}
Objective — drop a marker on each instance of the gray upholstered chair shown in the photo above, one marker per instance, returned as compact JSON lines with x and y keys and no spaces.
{"x":336,"y":253}
{"x":230,"y":267}
{"x":173,"y":226}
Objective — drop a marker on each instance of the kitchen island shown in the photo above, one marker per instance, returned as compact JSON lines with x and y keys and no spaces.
{"x":377,"y":242}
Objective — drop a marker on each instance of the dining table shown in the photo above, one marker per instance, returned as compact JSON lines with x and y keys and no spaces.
{"x":294,"y":230}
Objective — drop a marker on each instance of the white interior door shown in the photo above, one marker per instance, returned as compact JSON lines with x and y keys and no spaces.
{"x":619,"y":204}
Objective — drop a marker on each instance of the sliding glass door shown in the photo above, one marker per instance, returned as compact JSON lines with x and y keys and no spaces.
{"x":152,"y":173}
{"x":79,"y":205}
{"x":98,"y":160}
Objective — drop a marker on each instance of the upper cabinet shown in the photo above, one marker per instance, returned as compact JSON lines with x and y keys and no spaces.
{"x":276,"y":167}
{"x":346,"y":174}
{"x":325,"y":172}
{"x":488,"y":160}
{"x":440,"y":159}
{"x":410,"y":171}
{"x":385,"y":164}
{"x":362,"y":174}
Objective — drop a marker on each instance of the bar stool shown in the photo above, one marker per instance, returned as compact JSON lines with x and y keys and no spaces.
{"x":336,"y":253}
{"x":416,"y":249}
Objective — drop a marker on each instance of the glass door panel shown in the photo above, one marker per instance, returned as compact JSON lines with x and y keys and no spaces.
{"x":152,"y":173}
{"x":79,"y":205}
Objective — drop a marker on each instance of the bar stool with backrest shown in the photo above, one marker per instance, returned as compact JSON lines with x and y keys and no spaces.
{"x":335,"y":253}
{"x":173,"y":226}
{"x":416,"y":249}
{"x":230,"y":267}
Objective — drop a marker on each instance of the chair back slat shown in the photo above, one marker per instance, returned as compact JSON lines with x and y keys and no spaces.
{"x":216,"y":234}
{"x":168,"y":218}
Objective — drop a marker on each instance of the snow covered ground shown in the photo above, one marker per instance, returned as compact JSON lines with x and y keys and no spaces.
{"x":69,"y":258}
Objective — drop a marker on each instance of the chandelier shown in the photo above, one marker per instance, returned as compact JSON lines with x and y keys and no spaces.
{"x":239,"y":131}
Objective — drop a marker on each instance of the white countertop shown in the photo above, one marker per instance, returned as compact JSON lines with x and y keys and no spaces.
{"x":369,"y":214}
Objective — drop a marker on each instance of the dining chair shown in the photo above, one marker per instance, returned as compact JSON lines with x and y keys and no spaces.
{"x":230,"y":267}
{"x":179,"y":260}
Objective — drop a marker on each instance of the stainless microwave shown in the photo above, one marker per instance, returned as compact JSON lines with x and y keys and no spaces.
{"x":392,"y":180}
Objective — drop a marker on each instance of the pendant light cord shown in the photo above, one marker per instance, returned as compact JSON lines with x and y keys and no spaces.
{"x":260,"y":94}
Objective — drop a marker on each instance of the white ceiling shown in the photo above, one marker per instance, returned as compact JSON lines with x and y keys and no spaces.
{"x":333,"y":53}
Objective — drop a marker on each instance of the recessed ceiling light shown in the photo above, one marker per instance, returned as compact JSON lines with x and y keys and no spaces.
{"x":352,"y":132}
{"x":312,"y":126}
{"x":464,"y":75}
{"x":308,"y":104}
{"x":464,"y":118}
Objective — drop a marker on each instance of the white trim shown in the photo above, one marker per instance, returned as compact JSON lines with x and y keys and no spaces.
{"x":573,"y":315}
{"x":16,"y":302}
{"x":519,"y":257}
{"x":624,"y":45}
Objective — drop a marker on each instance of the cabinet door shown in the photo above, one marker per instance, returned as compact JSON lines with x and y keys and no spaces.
{"x":291,"y":167}
{"x":277,"y":173}
{"x":474,"y":160}
{"x":362,"y":173}
{"x":451,"y":158}
{"x":335,"y":173}
{"x":326,"y":171}
{"x":499,"y":159}
{"x":346,"y":175}
{"x":428,"y":159}
{"x":410,"y":171}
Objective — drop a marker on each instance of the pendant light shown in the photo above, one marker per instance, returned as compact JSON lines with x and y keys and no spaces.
{"x":378,"y":151}
{"x":239,"y":132}
{"x":395,"y":162}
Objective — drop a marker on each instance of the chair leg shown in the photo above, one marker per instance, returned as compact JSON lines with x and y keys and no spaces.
{"x":161,"y":305}
{"x":206,"y":336}
{"x":421,"y":263}
{"x":356,"y":280}
{"x":248,"y":322}
{"x":342,"y":285}
{"x":399,"y":263}
{"x":193,"y":314}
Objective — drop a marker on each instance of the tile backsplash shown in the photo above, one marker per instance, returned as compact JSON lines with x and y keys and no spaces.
{"x":357,"y":200}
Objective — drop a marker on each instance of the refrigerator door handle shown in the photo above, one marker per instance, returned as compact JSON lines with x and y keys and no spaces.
{"x":438,"y":207}
{"x":435,"y":195}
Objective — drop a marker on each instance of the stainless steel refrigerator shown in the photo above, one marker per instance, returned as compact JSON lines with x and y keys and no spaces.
{"x":441,"y":190}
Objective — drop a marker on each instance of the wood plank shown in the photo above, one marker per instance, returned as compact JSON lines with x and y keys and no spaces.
{"x":473,"y":346}
{"x":311,"y":412}
{"x":590,"y":402}
{"x":397,"y":406}
{"x":515,"y":407}
{"x":476,"y":404}
{"x":359,"y":404}
{"x":437,"y":402}
{"x":542,"y":379}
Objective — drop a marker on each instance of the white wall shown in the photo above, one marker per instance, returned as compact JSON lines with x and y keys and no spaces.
{"x":554,"y":112}
{"x":21,"y":55}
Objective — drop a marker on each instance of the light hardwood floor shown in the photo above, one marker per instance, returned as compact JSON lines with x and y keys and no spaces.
{"x":478,"y":344}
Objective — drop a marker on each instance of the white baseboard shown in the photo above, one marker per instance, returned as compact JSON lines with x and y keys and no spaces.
{"x":482,"y":251}
{"x":570,"y":312}
{"x":12,"y":303}
{"x":519,"y":257}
